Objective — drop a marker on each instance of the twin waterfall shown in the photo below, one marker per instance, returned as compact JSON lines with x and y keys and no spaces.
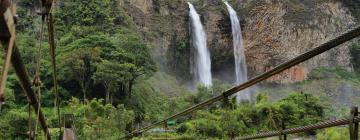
{"x":201,"y":68}
{"x":240,"y":61}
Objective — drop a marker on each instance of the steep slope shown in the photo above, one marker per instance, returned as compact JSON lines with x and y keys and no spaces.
{"x":274,"y":31}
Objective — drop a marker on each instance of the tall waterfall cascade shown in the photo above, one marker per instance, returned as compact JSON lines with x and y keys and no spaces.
{"x":240,"y":61}
{"x":201,"y":63}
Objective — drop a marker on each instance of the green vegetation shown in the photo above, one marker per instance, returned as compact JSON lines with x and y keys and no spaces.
{"x":157,"y":6}
{"x":353,"y":6}
{"x":334,"y":134}
{"x":99,"y":55}
{"x":249,"y":118}
{"x":109,"y":81}
{"x":355,"y":53}
{"x":337,"y":89}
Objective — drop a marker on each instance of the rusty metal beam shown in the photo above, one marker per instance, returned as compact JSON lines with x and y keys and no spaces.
{"x":301,"y":58}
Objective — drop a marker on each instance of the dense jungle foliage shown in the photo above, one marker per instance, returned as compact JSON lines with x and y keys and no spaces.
{"x":110,"y":83}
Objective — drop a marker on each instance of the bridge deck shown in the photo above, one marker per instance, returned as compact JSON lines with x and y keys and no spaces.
{"x":69,"y":134}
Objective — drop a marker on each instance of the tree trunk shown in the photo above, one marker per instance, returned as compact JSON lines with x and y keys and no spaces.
{"x":84,"y":95}
{"x":107,"y":98}
{"x":122,"y":88}
{"x":131,"y":82}
{"x":111,"y":99}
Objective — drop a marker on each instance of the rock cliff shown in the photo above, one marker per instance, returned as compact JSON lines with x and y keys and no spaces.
{"x":274,"y":31}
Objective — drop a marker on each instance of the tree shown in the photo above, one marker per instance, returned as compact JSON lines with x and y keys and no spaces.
{"x":78,"y":59}
{"x":230,"y":124}
{"x":102,"y":15}
{"x":117,"y":128}
{"x":96,"y":120}
{"x":134,"y":55}
{"x":79,"y":65}
{"x":110,"y":74}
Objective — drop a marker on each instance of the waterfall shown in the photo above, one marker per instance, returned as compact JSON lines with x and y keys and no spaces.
{"x":240,"y":62}
{"x":201,"y":68}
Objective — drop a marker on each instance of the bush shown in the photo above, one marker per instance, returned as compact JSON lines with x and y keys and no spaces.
{"x":13,"y":123}
{"x":249,"y":118}
{"x":334,"y":133}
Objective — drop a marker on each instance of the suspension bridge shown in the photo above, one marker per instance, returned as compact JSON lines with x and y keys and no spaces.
{"x":31,"y":88}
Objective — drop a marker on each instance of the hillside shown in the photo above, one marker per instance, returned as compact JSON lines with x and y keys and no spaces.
{"x":125,"y":64}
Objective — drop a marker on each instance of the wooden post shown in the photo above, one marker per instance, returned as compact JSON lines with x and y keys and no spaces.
{"x":226,"y":103}
{"x":165,"y":129}
{"x":283,"y":128}
{"x":354,"y":126}
{"x":165,"y":125}
{"x":282,"y":136}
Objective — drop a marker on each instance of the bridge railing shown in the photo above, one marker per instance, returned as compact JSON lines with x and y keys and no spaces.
{"x":352,"y":121}
{"x":224,"y":96}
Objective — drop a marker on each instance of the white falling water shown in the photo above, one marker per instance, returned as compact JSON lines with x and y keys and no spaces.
{"x":240,"y":61}
{"x":202,"y":64}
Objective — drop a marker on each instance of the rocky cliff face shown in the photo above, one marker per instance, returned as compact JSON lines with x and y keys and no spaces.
{"x":274,"y":31}
{"x":278,"y":31}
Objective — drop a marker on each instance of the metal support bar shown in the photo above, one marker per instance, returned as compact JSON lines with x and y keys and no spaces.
{"x":306,"y":56}
{"x":316,"y":126}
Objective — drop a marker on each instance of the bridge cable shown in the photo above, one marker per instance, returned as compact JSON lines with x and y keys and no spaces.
{"x":53,"y":59}
{"x":37,"y":81}
{"x":49,"y":8}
